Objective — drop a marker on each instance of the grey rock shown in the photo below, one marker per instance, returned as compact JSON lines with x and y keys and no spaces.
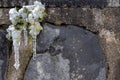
{"x":48,"y":68}
{"x":67,"y":53}
{"x":1,"y":74}
{"x":114,"y":3}
{"x":4,"y":49}
{"x":47,"y":39}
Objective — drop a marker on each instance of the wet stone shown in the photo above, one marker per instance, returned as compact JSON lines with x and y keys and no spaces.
{"x":67,"y":53}
{"x":3,"y":53}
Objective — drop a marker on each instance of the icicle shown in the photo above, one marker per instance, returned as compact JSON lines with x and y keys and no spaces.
{"x":25,"y":36}
{"x":34,"y":47}
{"x":16,"y":36}
{"x":16,"y":56}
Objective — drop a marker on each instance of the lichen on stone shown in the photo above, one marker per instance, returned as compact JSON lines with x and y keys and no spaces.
{"x":108,"y":35}
{"x":27,"y":21}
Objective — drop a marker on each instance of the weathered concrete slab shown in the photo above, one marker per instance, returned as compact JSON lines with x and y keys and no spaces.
{"x":63,"y":3}
{"x":67,"y":53}
{"x":4,"y":50}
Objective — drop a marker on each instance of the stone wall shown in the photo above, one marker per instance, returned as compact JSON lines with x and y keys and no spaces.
{"x":70,"y":24}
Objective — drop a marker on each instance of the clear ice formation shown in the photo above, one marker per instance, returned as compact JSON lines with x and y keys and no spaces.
{"x":16,"y":35}
{"x":25,"y":32}
{"x":30,"y":14}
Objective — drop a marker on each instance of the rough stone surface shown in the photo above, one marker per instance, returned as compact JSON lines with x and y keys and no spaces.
{"x":63,"y":3}
{"x":111,"y":46}
{"x":48,"y":68}
{"x":76,"y":3}
{"x":101,"y":20}
{"x":67,"y":53}
{"x":3,"y":53}
{"x":4,"y":20}
{"x":56,"y":3}
{"x":92,"y":19}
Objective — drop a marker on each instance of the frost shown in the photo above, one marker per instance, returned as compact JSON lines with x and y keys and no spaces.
{"x":35,"y":29}
{"x":31,"y":19}
{"x":21,"y":12}
{"x":9,"y":30}
{"x":25,"y":21}
{"x":13,"y":15}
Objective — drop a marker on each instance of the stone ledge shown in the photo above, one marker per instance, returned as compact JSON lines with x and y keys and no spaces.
{"x":93,"y":19}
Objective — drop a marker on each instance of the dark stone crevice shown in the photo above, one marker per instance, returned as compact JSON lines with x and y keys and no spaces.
{"x":65,"y":25}
{"x":3,"y":27}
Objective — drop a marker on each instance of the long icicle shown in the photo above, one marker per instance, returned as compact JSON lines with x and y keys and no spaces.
{"x":16,"y":56}
{"x":16,"y":35}
{"x":25,"y":36}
